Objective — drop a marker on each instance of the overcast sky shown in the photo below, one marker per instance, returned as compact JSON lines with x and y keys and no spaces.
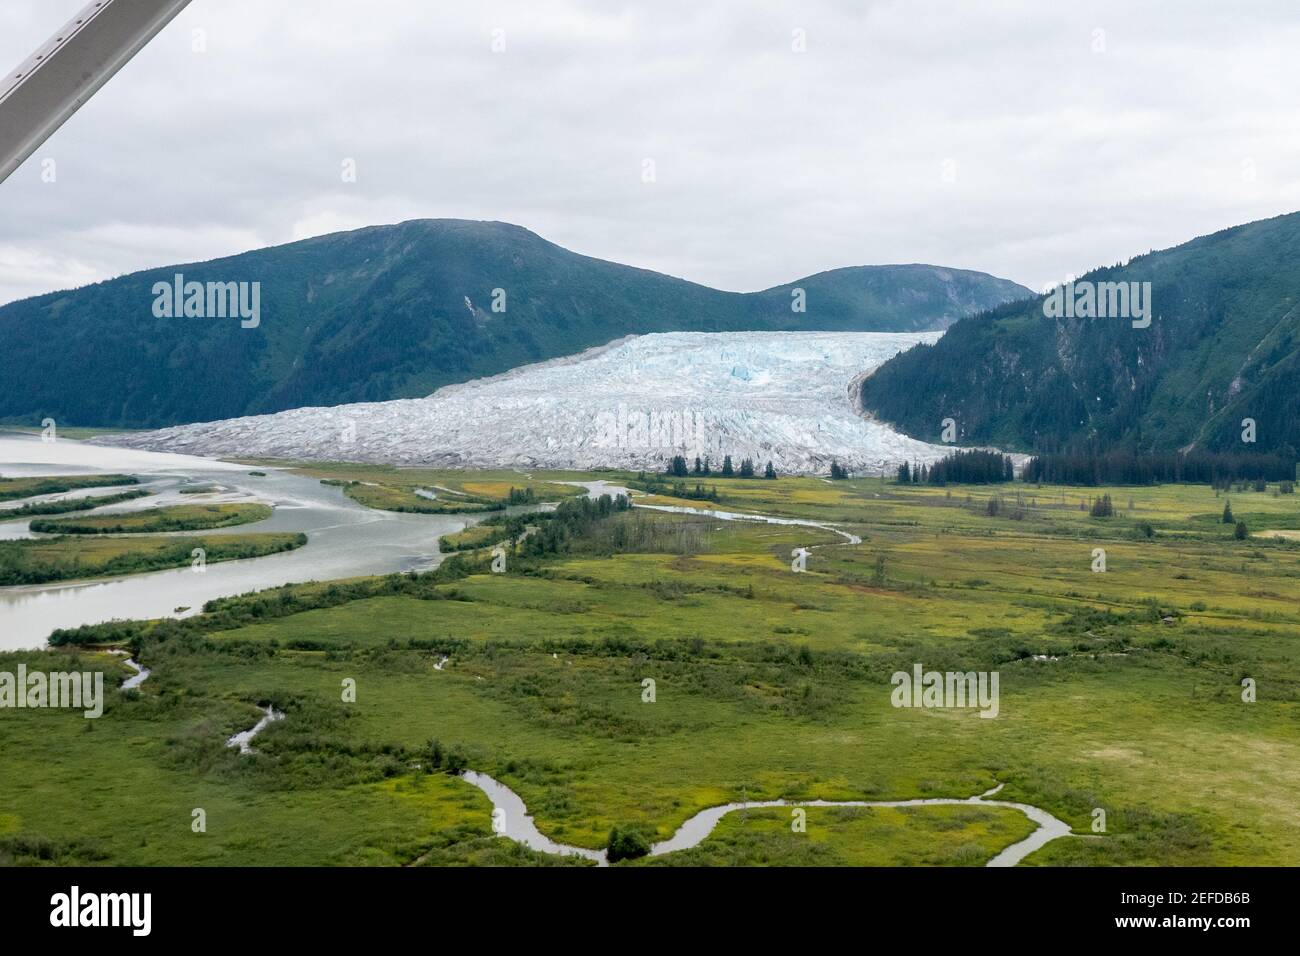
{"x":1023,"y":139}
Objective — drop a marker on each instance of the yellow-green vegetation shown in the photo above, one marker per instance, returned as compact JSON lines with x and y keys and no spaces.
{"x":11,"y":488}
{"x":1120,"y":691}
{"x":433,"y":490}
{"x":72,"y":557}
{"x":154,"y":520}
{"x":252,"y":821}
{"x":59,"y":506}
{"x":475,"y":536}
{"x":856,"y":836}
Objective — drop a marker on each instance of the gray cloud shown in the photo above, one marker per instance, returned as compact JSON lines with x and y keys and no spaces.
{"x":770,"y":164}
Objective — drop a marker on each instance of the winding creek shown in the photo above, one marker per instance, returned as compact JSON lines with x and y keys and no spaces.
{"x":511,"y":819}
{"x":141,"y":675}
{"x":344,"y":540}
{"x":597,"y":488}
{"x":244,"y":739}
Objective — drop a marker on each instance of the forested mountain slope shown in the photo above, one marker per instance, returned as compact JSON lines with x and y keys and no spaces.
{"x":398,"y":311}
{"x":1223,"y":345}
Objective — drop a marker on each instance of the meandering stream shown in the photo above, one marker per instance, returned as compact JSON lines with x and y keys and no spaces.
{"x":370,"y":542}
{"x":139,"y":677}
{"x":244,"y":739}
{"x":597,"y":488}
{"x":511,"y":819}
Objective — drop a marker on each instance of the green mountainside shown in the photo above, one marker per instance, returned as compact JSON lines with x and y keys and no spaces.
{"x":398,"y":311}
{"x":1223,"y":346}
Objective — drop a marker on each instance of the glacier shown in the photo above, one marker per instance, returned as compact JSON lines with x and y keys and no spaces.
{"x":785,"y":397}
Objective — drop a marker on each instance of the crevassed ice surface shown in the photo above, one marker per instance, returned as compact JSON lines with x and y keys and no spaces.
{"x":784,"y":397}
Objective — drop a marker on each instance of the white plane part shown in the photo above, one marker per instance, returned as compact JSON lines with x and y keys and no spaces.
{"x":39,"y":96}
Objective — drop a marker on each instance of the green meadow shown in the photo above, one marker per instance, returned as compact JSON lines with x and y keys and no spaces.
{"x":201,"y":517}
{"x":445,"y":491}
{"x":11,"y":488}
{"x":59,"y":506}
{"x":71,"y":557}
{"x":1120,"y":691}
{"x":475,"y":536}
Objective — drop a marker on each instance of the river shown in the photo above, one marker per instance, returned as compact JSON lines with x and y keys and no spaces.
{"x":344,"y":539}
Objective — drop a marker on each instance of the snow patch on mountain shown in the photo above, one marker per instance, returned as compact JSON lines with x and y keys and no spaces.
{"x":785,"y":397}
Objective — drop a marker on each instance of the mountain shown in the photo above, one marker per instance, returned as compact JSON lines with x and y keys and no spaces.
{"x":783,"y":397}
{"x":1223,"y":345}
{"x":398,"y":311}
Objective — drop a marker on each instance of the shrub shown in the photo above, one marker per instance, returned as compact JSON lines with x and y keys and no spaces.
{"x":456,"y":760}
{"x":434,"y":755}
{"x":627,"y":843}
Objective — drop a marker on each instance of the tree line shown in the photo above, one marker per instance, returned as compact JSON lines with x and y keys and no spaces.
{"x":1090,"y":468}
{"x":678,"y":468}
{"x":961,"y":467}
{"x":1087,"y":467}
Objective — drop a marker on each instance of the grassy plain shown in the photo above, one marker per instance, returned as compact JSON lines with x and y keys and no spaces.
{"x":72,"y":557}
{"x":59,"y":506}
{"x":390,"y":488}
{"x":475,"y":536}
{"x":11,"y":488}
{"x":197,"y":517}
{"x":1120,"y":691}
{"x":857,"y":836}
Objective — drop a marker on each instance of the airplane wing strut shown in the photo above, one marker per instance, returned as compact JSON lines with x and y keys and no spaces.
{"x":39,"y":96}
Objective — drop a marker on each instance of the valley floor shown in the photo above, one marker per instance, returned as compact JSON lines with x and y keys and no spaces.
{"x":1120,"y":692}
